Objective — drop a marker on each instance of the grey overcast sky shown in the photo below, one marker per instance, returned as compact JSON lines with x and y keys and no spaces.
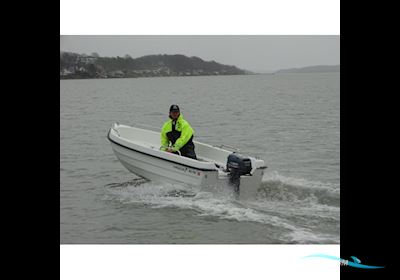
{"x":254,"y":53}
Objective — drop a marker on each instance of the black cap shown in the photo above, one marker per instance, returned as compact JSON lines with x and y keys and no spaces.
{"x":174,"y":108}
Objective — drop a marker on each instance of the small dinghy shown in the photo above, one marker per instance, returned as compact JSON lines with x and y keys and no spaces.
{"x":139,"y":151}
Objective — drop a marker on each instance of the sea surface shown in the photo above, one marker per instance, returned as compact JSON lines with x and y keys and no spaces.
{"x":291,"y":121}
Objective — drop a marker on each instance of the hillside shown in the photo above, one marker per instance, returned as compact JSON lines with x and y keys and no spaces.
{"x":79,"y":66}
{"x":312,"y":69}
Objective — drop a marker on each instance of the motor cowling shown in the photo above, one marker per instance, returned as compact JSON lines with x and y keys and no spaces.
{"x":237,"y":165}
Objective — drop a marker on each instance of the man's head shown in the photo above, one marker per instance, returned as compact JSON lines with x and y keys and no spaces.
{"x":174,"y":111}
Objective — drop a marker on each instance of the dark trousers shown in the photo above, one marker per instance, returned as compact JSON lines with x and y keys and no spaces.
{"x":188,"y":150}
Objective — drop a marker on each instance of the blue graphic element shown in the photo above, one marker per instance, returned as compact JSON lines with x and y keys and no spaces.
{"x":355,"y":259}
{"x":356,"y":262}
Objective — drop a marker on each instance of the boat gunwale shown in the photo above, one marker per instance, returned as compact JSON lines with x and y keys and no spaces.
{"x":141,"y":152}
{"x":163,"y":158}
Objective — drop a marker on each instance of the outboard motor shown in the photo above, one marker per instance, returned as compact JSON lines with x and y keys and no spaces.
{"x":237,"y":165}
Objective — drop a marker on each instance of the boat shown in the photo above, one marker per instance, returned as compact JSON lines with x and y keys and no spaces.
{"x":139,"y":151}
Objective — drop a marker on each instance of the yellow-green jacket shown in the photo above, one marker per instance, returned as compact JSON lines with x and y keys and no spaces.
{"x":182,"y":126}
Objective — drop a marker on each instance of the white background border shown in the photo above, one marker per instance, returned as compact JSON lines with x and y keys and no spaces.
{"x":201,"y":17}
{"x":198,"y":262}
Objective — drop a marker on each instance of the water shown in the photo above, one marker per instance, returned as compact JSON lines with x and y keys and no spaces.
{"x":291,"y":121}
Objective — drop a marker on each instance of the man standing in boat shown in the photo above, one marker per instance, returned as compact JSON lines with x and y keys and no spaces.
{"x":177,"y":134}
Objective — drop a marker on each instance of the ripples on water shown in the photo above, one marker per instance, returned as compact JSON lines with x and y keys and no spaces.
{"x":296,"y":207}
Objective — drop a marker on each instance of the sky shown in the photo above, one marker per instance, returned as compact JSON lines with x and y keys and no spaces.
{"x":260,"y":53}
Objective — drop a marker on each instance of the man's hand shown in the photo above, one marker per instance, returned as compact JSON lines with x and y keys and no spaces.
{"x":170,"y":150}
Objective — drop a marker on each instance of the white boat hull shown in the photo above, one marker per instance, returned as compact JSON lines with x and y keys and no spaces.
{"x":138,"y":151}
{"x":160,"y":170}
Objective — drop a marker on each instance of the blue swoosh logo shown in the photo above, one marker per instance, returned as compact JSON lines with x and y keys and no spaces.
{"x":349,"y":263}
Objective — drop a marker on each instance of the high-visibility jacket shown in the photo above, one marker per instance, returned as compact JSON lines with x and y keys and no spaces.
{"x":177,"y":132}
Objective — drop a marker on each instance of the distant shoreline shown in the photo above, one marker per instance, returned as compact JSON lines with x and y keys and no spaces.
{"x":312,"y":69}
{"x":108,"y":78}
{"x":81,"y":66}
{"x":254,"y":74}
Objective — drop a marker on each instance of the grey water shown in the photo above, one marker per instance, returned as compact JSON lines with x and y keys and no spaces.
{"x":291,"y":121}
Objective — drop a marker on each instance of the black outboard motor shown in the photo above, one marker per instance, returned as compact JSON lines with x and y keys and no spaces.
{"x":237,"y":165}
